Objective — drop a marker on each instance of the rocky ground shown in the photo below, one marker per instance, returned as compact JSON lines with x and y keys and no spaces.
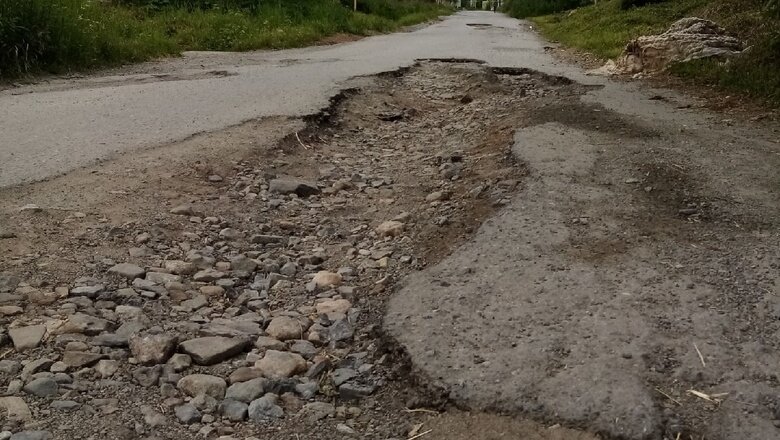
{"x":238,"y":292}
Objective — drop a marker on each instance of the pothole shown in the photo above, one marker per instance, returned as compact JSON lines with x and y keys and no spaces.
{"x":315,"y":230}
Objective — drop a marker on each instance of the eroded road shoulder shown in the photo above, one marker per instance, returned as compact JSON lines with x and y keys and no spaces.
{"x":629,"y":288}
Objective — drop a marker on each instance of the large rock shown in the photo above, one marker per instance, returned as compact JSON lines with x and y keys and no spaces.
{"x":196,"y":384}
{"x":281,"y":364}
{"x":213,"y":349}
{"x":686,"y":40}
{"x":153,"y":349}
{"x":234,"y":410}
{"x":293,"y":186}
{"x":25,"y":338}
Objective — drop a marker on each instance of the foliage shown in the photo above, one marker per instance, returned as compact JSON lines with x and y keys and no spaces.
{"x":57,"y":35}
{"x":605,"y":28}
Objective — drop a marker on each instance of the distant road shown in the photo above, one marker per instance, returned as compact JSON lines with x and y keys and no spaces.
{"x":53,"y":127}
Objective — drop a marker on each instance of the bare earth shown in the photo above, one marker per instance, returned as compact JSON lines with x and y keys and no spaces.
{"x":569,"y":259}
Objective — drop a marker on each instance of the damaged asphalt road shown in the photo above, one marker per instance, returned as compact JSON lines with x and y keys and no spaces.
{"x":561,"y":249}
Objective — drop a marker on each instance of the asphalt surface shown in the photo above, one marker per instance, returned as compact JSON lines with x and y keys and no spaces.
{"x":53,"y":127}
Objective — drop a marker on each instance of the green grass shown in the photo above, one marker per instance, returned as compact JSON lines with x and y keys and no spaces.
{"x":64,"y":35}
{"x":605,"y":28}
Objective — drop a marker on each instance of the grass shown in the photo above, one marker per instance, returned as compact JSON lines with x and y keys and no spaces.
{"x":604,"y":29}
{"x":63,"y":35}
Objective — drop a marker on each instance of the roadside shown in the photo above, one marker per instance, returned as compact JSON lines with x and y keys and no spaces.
{"x":61,"y":36}
{"x":604,"y":29}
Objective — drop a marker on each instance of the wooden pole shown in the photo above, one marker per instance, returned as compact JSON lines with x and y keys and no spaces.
{"x":354,"y":5}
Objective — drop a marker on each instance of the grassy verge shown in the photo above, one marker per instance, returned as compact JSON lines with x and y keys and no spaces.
{"x":604,"y":29}
{"x":62,"y":35}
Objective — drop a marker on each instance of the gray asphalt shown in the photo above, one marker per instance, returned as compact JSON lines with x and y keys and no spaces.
{"x":51,"y":128}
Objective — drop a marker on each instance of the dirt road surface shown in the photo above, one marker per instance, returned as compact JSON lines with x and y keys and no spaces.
{"x":442,"y":234}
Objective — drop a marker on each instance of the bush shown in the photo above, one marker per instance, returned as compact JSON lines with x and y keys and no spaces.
{"x":534,"y":8}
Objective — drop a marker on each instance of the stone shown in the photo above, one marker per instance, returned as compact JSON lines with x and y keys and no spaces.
{"x":247,"y":391}
{"x":287,"y":327}
{"x":78,"y":359}
{"x":31,"y":435}
{"x":280,"y":364}
{"x":83,"y":323}
{"x":340,"y":330}
{"x":333,"y":307}
{"x":180,"y":362}
{"x":326,"y":279}
{"x":107,"y":368}
{"x":205,"y":403}
{"x":15,"y":409}
{"x":298,"y":187}
{"x":185,"y":209}
{"x":195,"y":384}
{"x":10,"y":367}
{"x":304,"y":348}
{"x":10,"y":310}
{"x":212,"y":291}
{"x":349,"y":391}
{"x":147,"y":376}
{"x":244,"y":374}
{"x":213,"y":349}
{"x":152,"y":417}
{"x":195,"y":303}
{"x":65,"y":405}
{"x":341,"y":428}
{"x":390,"y":228}
{"x":242,"y":263}
{"x":307,"y":390}
{"x":87,"y":291}
{"x":179,"y":267}
{"x":8,"y":282}
{"x":42,"y":387}
{"x":315,"y":411}
{"x":162,"y":278}
{"x":233,"y":410}
{"x":187,"y":414}
{"x":265,"y":408}
{"x":341,"y":375}
{"x":267,"y":239}
{"x":25,"y":338}
{"x":152,"y":349}
{"x":268,"y":343}
{"x":208,"y":275}
{"x":127,"y":270}
{"x":230,"y":234}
